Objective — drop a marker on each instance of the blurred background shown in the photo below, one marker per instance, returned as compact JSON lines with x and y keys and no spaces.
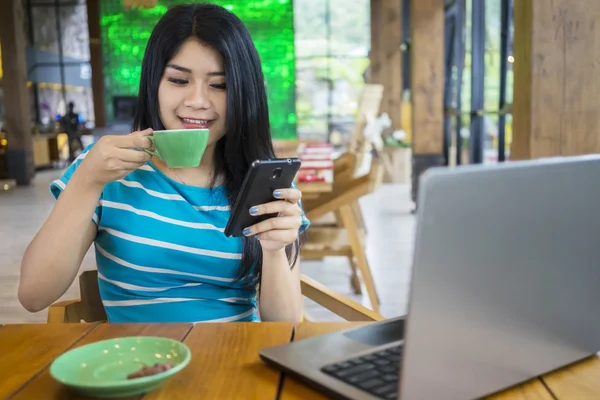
{"x":315,"y":55}
{"x":369,"y":93}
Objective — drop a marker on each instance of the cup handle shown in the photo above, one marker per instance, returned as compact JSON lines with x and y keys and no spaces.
{"x":155,"y":152}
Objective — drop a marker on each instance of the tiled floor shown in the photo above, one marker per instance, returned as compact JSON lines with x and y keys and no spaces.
{"x":389,"y":248}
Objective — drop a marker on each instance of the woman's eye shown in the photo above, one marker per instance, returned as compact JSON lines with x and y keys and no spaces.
{"x":220,"y":86}
{"x":178,"y":81}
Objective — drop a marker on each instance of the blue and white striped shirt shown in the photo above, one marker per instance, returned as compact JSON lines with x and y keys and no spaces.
{"x":161,"y":252}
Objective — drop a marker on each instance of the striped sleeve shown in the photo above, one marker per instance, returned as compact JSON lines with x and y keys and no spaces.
{"x":58,"y":185}
{"x":305,"y":221}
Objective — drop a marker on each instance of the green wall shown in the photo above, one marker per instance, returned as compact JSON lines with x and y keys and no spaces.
{"x":270,"y":22}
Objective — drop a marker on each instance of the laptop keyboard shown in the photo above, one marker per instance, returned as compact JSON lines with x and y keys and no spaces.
{"x":376,"y":373}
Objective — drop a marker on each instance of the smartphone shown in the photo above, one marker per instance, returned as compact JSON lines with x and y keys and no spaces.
{"x":262,"y":179}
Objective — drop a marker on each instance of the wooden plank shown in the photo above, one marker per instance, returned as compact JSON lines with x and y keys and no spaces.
{"x":427,"y":75}
{"x":384,"y":67}
{"x":26,"y":350}
{"x":392,"y":34}
{"x":376,"y":51}
{"x":292,"y":388}
{"x":336,"y":303}
{"x":226,"y":363}
{"x":385,"y":55}
{"x":557,"y":79}
{"x":578,"y":381}
{"x":520,"y":148}
{"x":532,"y":390}
{"x":45,"y":387}
{"x":314,"y":187}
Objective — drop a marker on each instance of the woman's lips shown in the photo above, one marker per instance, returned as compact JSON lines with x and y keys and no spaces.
{"x":194,"y":123}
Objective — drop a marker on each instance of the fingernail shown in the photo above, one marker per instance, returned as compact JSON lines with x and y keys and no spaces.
{"x":253,"y":210}
{"x":277,"y":193}
{"x":246,"y":231}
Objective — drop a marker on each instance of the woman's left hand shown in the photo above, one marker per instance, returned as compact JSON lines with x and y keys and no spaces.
{"x":277,"y":232}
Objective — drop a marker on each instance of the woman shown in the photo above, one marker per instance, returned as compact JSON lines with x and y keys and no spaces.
{"x":158,"y":233}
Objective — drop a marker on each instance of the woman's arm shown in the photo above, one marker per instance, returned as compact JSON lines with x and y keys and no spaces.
{"x":52,"y":260}
{"x":280,"y":295}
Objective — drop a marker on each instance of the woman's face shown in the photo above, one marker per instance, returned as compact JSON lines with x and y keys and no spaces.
{"x":192,"y":93}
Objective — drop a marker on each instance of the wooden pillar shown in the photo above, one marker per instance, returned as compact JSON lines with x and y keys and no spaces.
{"x":392,"y":32}
{"x":19,"y":152}
{"x":386,"y":58}
{"x":427,"y":86}
{"x":93,"y":12}
{"x":376,"y":51}
{"x":556,"y":78}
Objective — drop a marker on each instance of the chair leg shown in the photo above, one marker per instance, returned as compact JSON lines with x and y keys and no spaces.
{"x":68,"y":311}
{"x":358,"y":249}
{"x":358,"y":216}
{"x":338,"y":219}
{"x":354,"y":278}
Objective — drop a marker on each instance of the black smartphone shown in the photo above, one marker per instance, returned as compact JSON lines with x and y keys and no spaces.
{"x":262,"y":179}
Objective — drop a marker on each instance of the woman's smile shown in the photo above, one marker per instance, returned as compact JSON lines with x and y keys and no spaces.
{"x":196,"y":123}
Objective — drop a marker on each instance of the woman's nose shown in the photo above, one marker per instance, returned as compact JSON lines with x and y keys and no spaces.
{"x":198,"y":99}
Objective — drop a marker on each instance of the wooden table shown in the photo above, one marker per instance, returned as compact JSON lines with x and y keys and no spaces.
{"x":312,"y":190}
{"x":225,"y":362}
{"x":289,"y":149}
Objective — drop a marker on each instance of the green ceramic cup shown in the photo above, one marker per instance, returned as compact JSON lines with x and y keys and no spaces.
{"x":179,"y":148}
{"x":100,"y":369}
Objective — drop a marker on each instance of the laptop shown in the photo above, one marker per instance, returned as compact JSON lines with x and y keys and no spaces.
{"x":505,"y":287}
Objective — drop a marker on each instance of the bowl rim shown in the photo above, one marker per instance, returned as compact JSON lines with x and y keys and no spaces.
{"x":203,"y":130}
{"x":125,"y":383}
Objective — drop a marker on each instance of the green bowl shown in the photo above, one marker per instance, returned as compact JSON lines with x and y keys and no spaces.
{"x":100,"y":369}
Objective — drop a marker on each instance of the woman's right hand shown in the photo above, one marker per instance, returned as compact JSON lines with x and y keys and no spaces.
{"x":115,"y":156}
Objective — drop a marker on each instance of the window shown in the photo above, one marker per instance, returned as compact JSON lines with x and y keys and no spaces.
{"x":332,"y":40}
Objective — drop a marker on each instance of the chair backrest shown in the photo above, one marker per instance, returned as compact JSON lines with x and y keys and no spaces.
{"x":370,"y":100}
{"x":348,"y":191}
{"x":92,"y":308}
{"x":368,"y":108}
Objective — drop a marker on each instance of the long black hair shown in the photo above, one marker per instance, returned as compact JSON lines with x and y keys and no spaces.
{"x":247,"y":130}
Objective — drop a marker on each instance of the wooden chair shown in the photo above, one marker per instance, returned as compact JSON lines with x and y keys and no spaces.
{"x":346,"y":240}
{"x":345,"y":169}
{"x":369,"y":104}
{"x":89,"y":307}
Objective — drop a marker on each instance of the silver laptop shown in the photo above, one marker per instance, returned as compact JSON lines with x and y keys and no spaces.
{"x":505,"y":287}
